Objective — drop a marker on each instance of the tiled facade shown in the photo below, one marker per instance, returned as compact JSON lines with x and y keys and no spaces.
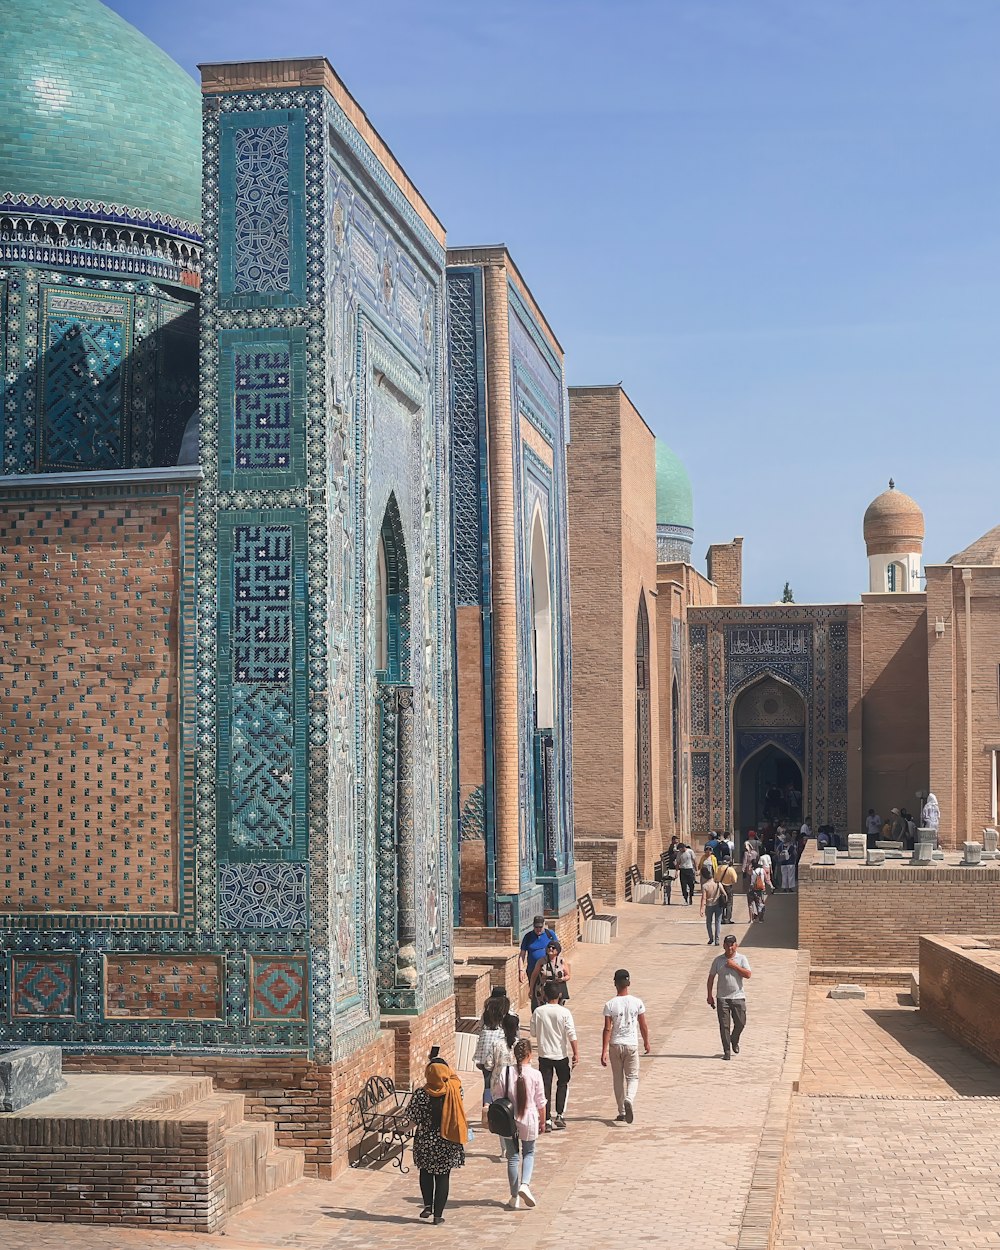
{"x":511,"y":576}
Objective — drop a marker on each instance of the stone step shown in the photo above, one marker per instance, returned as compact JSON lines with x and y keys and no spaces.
{"x":283,"y":1167}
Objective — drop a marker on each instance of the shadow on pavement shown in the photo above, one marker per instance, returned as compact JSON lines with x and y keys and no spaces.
{"x":779,"y":930}
{"x":964,"y":1072}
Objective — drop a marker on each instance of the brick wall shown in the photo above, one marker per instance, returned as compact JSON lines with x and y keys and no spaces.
{"x":161,"y":1173}
{"x":960,"y":991}
{"x":88,"y":614}
{"x":413,"y":1037}
{"x":594,"y":468}
{"x":894,"y":730}
{"x":725,"y":569}
{"x":874,"y":916}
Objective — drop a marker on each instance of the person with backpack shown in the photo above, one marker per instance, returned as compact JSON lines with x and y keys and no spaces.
{"x":440,"y":1133}
{"x":713,"y":905}
{"x":760,"y":882}
{"x":517,"y":1116}
{"x":726,"y":876}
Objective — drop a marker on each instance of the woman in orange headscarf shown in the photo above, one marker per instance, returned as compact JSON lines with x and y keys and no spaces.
{"x":441,"y":1133}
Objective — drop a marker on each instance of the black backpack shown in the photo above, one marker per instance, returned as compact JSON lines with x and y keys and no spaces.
{"x":500,"y":1118}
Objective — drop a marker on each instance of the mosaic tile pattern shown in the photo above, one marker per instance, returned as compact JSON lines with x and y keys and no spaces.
{"x":263,"y":896}
{"x":100,"y":372}
{"x":279,"y":987}
{"x":150,"y":987}
{"x":43,"y":986}
{"x":86,"y":378}
{"x":89,"y":739}
{"x":466,"y":350}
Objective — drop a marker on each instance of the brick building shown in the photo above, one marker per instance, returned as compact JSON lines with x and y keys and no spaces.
{"x":226,"y":749}
{"x":511,"y":576}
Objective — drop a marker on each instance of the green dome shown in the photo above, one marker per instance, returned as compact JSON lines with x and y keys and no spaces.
{"x":91,"y":110}
{"x":674,"y":501}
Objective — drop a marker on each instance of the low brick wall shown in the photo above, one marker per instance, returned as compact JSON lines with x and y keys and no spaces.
{"x":308,"y":1103}
{"x":853,"y":914}
{"x":609,"y":859}
{"x":165,"y":1174}
{"x":960,"y":990}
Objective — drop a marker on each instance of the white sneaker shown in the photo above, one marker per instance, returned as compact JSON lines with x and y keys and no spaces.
{"x":527,"y":1197}
{"x":514,"y":1204}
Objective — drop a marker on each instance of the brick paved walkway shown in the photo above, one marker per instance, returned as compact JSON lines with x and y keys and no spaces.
{"x":698,"y":1120}
{"x":894,"y":1138}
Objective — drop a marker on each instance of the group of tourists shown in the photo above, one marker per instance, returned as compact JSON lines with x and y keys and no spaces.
{"x":901,"y":825}
{"x":519,"y":1103}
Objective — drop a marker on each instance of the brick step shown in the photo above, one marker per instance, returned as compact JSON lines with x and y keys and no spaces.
{"x":179,"y":1093}
{"x":245,"y":1150}
{"x":283,"y":1167}
{"x":231,"y":1106}
{"x":887,"y":977}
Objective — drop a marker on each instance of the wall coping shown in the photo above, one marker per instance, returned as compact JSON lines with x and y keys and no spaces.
{"x":102,"y":477}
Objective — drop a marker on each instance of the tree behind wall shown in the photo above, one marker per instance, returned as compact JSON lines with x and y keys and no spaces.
{"x":786,"y":594}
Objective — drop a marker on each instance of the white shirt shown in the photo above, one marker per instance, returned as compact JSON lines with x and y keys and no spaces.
{"x":624,"y":1011}
{"x":553,"y":1028}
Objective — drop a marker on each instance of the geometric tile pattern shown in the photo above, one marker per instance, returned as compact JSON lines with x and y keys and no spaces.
{"x":263,"y":791}
{"x":699,"y":792}
{"x":44,"y":985}
{"x":86,"y":379}
{"x":261,"y":221}
{"x":263,"y":896}
{"x":279,"y":987}
{"x":262,"y":408}
{"x":468,"y":435}
{"x":698,"y":651}
{"x":149,"y":987}
{"x":88,"y":684}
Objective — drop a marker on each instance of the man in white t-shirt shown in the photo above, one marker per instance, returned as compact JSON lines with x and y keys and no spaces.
{"x":554,"y":1032}
{"x":624,"y":1020}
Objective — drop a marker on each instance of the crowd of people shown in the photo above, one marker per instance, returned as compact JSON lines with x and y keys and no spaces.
{"x":901,"y":825}
{"x":521,"y":1102}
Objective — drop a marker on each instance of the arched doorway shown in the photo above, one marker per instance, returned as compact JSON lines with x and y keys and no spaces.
{"x":769,"y":751}
{"x":643,"y":763}
{"x":765,"y":779}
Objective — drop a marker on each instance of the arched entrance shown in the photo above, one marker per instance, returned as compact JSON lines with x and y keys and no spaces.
{"x":769,"y":750}
{"x":764,"y":781}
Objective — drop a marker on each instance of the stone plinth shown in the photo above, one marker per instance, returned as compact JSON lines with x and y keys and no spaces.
{"x":876,"y":857}
{"x":847,"y":991}
{"x":973,"y":854}
{"x":856,"y":845}
{"x":923,"y":853}
{"x":28,"y":1074}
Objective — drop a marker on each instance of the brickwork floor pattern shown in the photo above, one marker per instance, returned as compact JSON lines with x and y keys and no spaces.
{"x":894,"y":1137}
{"x":697,"y":1129}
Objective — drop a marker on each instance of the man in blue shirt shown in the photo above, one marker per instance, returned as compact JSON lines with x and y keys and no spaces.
{"x":533,"y":947}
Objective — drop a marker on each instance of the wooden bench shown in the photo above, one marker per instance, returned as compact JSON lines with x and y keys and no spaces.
{"x":639,"y":891}
{"x":589,"y":912}
{"x":384,"y":1112}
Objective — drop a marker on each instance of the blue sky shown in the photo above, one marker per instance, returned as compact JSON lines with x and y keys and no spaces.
{"x":776,"y":221}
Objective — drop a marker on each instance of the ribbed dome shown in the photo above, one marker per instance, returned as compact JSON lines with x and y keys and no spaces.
{"x":674,"y":500}
{"x":893,"y":523}
{"x":90,"y":109}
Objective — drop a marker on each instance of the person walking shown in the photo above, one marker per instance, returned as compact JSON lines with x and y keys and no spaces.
{"x":726,"y":876}
{"x":496,"y":1039}
{"x":732,"y":970}
{"x":786,"y":864}
{"x":440,"y":1133}
{"x":760,"y":882}
{"x":686,"y":868}
{"x":523,"y":1085}
{"x":624,"y":1021}
{"x":713,"y":906}
{"x":552,"y":968}
{"x":558,"y":1052}
{"x":533,"y":946}
{"x":670,"y":869}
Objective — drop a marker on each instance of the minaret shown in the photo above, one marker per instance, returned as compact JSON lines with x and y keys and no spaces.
{"x":894,"y":536}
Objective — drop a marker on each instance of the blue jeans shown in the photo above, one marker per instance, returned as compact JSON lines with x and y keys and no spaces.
{"x":713,"y":919}
{"x":510,"y":1145}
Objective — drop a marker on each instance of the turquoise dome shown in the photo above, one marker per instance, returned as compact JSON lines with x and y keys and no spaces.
{"x":674,"y":500}
{"x":90,"y":109}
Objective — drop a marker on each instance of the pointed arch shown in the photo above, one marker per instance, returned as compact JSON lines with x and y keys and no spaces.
{"x":392,"y":599}
{"x":541,"y":626}
{"x":643,"y":747}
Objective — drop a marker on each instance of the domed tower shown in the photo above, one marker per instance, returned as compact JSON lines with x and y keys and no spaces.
{"x":894,"y":536}
{"x":674,"y":508}
{"x":100,"y":250}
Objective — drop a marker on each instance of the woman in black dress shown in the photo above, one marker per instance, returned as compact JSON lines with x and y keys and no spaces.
{"x":441,"y":1131}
